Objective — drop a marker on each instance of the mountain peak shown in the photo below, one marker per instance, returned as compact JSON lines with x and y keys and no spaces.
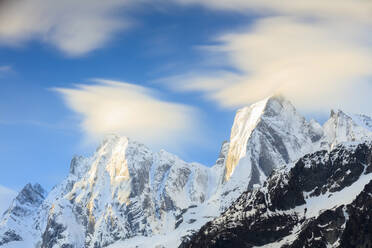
{"x":111,"y":140}
{"x":275,"y":111}
{"x":265,"y":104}
{"x":363,"y":120}
{"x":277,"y":104}
{"x":31,"y":193}
{"x":338,"y":114}
{"x":16,"y":221}
{"x":342,"y":127}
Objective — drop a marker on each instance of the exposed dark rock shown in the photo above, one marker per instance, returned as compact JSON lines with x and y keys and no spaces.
{"x":53,"y":232}
{"x":9,"y":236}
{"x":320,"y":231}
{"x":358,"y":230}
{"x":267,"y":215}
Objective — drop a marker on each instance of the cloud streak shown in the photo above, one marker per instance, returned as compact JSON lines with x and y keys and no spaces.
{"x":317,"y":52}
{"x":74,"y":27}
{"x":352,"y":10}
{"x":131,"y":110}
{"x":318,"y":56}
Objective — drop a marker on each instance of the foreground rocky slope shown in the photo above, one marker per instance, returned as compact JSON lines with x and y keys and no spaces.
{"x":324,"y":200}
{"x":126,"y":195}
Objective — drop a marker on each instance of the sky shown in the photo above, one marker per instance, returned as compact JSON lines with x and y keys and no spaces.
{"x":168,"y":73}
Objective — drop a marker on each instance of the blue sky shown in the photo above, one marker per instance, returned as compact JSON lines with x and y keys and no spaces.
{"x":40,"y":134}
{"x":191,"y":64}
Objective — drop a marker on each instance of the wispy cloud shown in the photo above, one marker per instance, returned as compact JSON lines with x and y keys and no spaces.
{"x":352,"y":10}
{"x":131,"y":110}
{"x":74,"y":27}
{"x":318,"y":53}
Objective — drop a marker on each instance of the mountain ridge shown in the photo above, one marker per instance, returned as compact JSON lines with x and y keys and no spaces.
{"x":127,"y":195}
{"x":309,"y":204}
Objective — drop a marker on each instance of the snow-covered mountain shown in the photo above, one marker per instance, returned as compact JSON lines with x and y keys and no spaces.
{"x":17,"y":222}
{"x":271,"y":133}
{"x":264,"y":136}
{"x":126,"y":195}
{"x":323,"y":200}
{"x":124,"y":190}
{"x":345,"y":128}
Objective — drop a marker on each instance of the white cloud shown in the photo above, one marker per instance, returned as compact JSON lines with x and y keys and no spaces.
{"x":78,"y":27}
{"x":329,"y":9}
{"x":317,"y":52}
{"x":131,"y":110}
{"x":6,"y":197}
{"x":75,"y":27}
{"x":319,"y":56}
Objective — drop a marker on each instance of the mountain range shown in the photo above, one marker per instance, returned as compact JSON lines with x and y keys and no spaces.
{"x":280,"y":181}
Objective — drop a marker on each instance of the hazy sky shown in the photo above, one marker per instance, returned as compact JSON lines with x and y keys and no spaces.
{"x":169,"y":73}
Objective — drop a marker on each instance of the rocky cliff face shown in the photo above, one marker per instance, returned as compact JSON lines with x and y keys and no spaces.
{"x":317,"y":202}
{"x":126,"y":195}
{"x":266,"y":135}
